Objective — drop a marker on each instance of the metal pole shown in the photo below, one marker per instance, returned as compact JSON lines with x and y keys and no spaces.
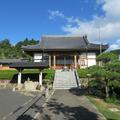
{"x":100,"y":41}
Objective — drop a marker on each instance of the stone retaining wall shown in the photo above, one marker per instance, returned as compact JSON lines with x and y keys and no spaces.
{"x":84,"y":81}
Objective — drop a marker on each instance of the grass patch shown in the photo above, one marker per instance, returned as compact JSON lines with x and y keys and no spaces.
{"x":104,"y":108}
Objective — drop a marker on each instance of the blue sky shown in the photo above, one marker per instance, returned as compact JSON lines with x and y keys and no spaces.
{"x":34,"y":18}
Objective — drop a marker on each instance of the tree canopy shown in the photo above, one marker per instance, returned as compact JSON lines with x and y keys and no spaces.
{"x":7,"y":50}
{"x":106,"y":57}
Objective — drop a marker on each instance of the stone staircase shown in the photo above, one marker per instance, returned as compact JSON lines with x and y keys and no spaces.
{"x":65,"y":80}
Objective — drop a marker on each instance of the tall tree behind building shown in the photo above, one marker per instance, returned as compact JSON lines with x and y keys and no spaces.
{"x":7,"y":50}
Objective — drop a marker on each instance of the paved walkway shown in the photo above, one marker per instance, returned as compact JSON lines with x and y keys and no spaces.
{"x":16,"y":106}
{"x":69,"y":105}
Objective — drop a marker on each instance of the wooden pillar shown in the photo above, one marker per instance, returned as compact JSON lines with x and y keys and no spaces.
{"x":54,"y":61}
{"x":49,"y":61}
{"x":75,"y":61}
{"x":40,"y":78}
{"x":19,"y":76}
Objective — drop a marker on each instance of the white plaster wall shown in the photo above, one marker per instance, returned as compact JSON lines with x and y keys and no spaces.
{"x":91,"y":59}
{"x":91,"y":62}
{"x":91,"y":55}
{"x":37,"y":57}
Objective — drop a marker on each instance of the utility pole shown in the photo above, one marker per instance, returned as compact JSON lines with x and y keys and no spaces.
{"x":100,"y":41}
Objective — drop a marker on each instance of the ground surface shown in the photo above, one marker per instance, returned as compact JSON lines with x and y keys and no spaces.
{"x":69,"y":105}
{"x":16,"y":106}
{"x":105,"y":108}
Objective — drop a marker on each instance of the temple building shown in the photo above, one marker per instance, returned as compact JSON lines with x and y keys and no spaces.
{"x":60,"y":51}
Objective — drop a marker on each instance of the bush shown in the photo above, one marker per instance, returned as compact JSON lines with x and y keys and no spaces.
{"x":49,"y":73}
{"x":97,"y":88}
{"x":107,"y":57}
{"x":112,"y":99}
{"x":113,"y":66}
{"x":48,"y":76}
{"x":82,"y":73}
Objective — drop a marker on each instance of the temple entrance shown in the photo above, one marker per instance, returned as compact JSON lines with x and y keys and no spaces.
{"x":64,"y":60}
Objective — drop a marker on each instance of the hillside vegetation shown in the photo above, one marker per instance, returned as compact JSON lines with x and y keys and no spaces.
{"x":7,"y":50}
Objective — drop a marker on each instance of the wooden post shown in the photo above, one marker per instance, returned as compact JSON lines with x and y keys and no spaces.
{"x":40,"y":78}
{"x":19,"y":76}
{"x":49,"y":61}
{"x":54,"y":61}
{"x":75,"y":61}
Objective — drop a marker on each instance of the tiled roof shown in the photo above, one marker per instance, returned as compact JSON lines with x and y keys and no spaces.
{"x":29,"y":65}
{"x":8,"y":61}
{"x":63,"y":43}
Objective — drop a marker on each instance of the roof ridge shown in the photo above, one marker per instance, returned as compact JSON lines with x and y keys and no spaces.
{"x":62,"y":36}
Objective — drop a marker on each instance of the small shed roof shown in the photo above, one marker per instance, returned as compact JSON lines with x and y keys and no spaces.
{"x":29,"y":65}
{"x":8,"y":61}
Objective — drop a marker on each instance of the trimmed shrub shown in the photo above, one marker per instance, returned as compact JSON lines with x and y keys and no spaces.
{"x":82,"y":73}
{"x":107,"y":57}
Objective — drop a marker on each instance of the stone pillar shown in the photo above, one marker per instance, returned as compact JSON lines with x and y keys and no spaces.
{"x":19,"y":77}
{"x":49,"y":61}
{"x":75,"y":61}
{"x":40,"y":78}
{"x":79,"y":61}
{"x":87,"y":58}
{"x":54,"y":61}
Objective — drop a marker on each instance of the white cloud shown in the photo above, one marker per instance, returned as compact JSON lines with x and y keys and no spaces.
{"x":116,"y":45}
{"x":56,"y":13}
{"x":109,"y":24}
{"x":112,"y":9}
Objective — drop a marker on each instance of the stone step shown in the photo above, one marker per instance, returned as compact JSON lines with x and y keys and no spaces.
{"x":64,"y":80}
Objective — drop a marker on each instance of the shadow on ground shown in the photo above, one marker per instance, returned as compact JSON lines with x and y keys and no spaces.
{"x":78,"y":92}
{"x":25,"y":117}
{"x":69,"y":113}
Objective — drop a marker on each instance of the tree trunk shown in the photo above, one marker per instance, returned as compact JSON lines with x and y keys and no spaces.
{"x":107,"y":89}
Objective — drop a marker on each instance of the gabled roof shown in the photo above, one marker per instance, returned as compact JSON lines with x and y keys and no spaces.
{"x":63,"y":43}
{"x":29,"y":65}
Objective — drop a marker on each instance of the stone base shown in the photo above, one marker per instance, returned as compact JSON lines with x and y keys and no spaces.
{"x":30,"y":86}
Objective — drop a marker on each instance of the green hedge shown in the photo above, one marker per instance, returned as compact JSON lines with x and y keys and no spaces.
{"x":8,"y":74}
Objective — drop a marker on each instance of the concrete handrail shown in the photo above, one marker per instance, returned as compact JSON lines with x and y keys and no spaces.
{"x":77,"y":78}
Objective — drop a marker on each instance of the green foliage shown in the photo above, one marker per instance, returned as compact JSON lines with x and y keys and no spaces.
{"x":107,"y":57}
{"x":48,"y":76}
{"x":49,"y":73}
{"x":82,"y":73}
{"x":7,"y":50}
{"x":7,"y":74}
{"x":113,"y":66}
{"x":96,"y":71}
{"x":112,"y":99}
{"x":97,"y":88}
